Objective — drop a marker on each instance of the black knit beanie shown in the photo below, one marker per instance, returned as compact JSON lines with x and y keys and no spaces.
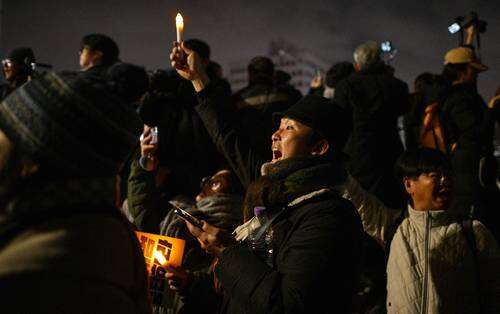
{"x":325,"y":117}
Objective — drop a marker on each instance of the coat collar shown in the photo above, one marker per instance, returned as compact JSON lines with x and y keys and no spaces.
{"x":436,"y":217}
{"x":242,"y":231}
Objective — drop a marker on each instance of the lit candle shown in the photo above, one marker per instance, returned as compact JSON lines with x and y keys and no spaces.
{"x":160,"y":258}
{"x":179,"y":25}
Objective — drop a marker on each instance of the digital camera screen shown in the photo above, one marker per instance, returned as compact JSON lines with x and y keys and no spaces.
{"x":386,"y":46}
{"x":453,"y":28}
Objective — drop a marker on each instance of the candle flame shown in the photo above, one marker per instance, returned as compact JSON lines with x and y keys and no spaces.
{"x":160,"y":258}
{"x":179,"y":21}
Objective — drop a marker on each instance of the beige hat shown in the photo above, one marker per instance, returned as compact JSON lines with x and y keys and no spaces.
{"x":464,"y":55}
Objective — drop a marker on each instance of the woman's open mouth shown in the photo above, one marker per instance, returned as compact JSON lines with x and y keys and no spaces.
{"x":276,"y":155}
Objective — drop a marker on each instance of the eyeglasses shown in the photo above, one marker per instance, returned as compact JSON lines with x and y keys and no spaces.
{"x":440,"y":178}
{"x":210,"y":182}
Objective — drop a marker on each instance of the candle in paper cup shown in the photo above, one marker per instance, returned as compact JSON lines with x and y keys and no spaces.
{"x":179,"y":25}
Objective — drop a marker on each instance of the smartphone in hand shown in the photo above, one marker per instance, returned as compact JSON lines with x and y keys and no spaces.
{"x":188,"y":217}
{"x":154,"y":135}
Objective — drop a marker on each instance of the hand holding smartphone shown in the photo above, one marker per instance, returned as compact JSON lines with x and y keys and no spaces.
{"x":188,"y":217}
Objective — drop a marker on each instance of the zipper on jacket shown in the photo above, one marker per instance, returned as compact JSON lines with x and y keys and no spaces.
{"x":425,"y":282}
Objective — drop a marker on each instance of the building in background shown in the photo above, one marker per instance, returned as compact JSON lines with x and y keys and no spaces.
{"x":299,"y":63}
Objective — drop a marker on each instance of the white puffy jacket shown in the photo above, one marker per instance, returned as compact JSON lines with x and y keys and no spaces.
{"x":431,"y":267}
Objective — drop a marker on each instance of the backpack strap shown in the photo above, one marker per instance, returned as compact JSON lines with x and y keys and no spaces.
{"x":448,"y":145}
{"x":467,"y":227}
{"x":470,"y":237}
{"x":263,"y":229}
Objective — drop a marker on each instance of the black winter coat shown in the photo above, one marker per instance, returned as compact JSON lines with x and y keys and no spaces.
{"x":469,"y":124}
{"x":375,"y":99}
{"x":316,"y":243}
{"x":317,"y":252}
{"x":5,"y":90}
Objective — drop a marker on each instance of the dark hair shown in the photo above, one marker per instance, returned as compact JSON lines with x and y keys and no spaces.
{"x":429,"y":88}
{"x":281,"y":77}
{"x":333,"y":153}
{"x":23,"y":57}
{"x":128,"y":81}
{"x":198,"y":46}
{"x":316,"y":137}
{"x":451,"y":71}
{"x":421,"y":80}
{"x":261,"y":69}
{"x":214,"y":70}
{"x":164,"y":81}
{"x":412,"y":164}
{"x":338,"y":137}
{"x":338,"y":72}
{"x":434,"y":89}
{"x":104,"y":44}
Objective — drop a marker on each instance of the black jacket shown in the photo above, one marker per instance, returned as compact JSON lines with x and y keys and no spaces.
{"x":266,"y":95}
{"x":98,"y":71}
{"x":316,"y":243}
{"x":376,"y":99}
{"x":412,"y":122}
{"x":256,"y":105}
{"x":470,"y":125}
{"x":317,"y":252}
{"x":5,"y":90}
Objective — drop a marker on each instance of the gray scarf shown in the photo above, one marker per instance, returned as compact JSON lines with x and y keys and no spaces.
{"x":222,"y":210}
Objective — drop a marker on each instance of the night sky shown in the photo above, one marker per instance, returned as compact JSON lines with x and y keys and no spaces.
{"x":238,"y":30}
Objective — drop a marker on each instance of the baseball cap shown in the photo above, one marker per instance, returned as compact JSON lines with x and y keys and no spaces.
{"x":462,"y":55}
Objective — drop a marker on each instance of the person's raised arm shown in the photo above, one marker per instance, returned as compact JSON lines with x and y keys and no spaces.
{"x":375,"y":216}
{"x":145,"y":204}
{"x":214,"y":109}
{"x":470,"y":33}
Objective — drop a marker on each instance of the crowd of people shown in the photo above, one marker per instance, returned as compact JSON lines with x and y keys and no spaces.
{"x":306,"y":204}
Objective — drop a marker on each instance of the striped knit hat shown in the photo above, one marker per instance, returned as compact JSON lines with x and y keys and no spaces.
{"x":75,"y":125}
